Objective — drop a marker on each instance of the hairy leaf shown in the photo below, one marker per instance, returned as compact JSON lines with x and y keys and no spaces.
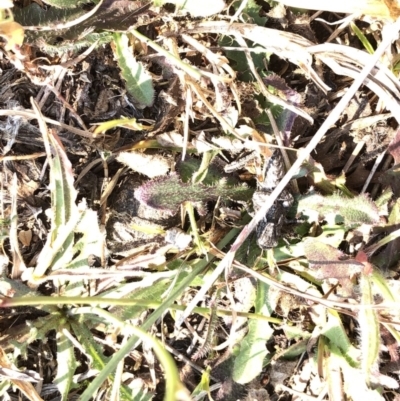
{"x":351,"y":211}
{"x":169,"y":192}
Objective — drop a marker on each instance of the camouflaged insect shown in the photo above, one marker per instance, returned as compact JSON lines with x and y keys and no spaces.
{"x":268,"y":230}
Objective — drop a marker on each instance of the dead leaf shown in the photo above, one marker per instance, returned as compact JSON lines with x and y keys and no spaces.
{"x":25,"y":237}
{"x":331,"y":263}
{"x":394,"y":147}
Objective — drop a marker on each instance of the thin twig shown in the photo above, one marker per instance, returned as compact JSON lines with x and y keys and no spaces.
{"x":373,"y":170}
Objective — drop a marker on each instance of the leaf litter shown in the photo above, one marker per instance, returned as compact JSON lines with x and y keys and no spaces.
{"x":137,"y":218}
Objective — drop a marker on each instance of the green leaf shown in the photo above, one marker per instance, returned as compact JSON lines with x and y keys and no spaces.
{"x":251,"y":15}
{"x":191,"y":165}
{"x":93,"y":351}
{"x":336,"y":334}
{"x":152,"y":293}
{"x":249,"y":362}
{"x":66,"y":363}
{"x":258,"y":55}
{"x":138,"y":81}
{"x":204,"y":384}
{"x":201,"y":174}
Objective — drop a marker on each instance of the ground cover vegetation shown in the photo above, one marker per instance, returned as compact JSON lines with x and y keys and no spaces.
{"x":199,"y":200}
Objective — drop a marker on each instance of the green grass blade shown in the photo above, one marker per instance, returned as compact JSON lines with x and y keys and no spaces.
{"x":363,"y":39}
{"x":134,"y":341}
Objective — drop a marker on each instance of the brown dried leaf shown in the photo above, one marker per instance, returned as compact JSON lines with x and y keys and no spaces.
{"x":394,"y":147}
{"x":329,"y":262}
{"x":25,"y":237}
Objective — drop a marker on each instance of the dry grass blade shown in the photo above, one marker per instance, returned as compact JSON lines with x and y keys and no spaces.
{"x":25,"y":387}
{"x":18,"y":263}
{"x":30,"y":115}
{"x":348,"y":62}
{"x":284,"y":44}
